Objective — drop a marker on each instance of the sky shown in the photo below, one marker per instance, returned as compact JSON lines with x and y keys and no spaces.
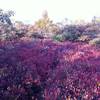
{"x":31,"y":10}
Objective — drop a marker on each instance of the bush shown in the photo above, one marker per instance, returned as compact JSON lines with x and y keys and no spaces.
{"x":66,"y":36}
{"x":84,"y":38}
{"x":7,"y":32}
{"x":59,"y":37}
{"x":95,"y":41}
{"x":71,"y":37}
{"x":45,"y":70}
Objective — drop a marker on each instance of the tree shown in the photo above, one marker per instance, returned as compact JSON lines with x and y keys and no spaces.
{"x":44,"y":22}
{"x":5,"y":16}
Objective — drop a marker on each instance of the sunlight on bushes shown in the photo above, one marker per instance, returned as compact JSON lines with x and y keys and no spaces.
{"x":95,"y":41}
{"x":47,"y":61}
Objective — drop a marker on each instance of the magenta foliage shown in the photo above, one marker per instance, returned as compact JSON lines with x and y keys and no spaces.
{"x":47,"y":70}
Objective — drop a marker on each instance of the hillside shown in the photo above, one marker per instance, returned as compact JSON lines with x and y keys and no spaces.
{"x":49,"y":61}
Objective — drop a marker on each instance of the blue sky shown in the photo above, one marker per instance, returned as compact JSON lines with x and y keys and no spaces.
{"x":31,"y":10}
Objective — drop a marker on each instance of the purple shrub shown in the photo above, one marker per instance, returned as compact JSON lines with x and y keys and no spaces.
{"x":46,"y":70}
